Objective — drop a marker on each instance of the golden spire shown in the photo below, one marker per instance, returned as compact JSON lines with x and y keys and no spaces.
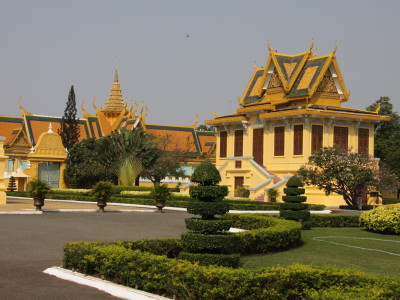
{"x":115,"y":102}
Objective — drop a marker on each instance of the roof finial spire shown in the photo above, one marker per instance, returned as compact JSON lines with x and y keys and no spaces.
{"x":116,"y":73}
{"x":334,"y":49}
{"x":312,"y":44}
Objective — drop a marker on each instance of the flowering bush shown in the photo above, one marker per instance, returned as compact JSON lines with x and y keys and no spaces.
{"x":72,"y":191}
{"x":383,"y":219}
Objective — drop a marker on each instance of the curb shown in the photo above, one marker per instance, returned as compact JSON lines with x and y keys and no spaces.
{"x":113,"y":289}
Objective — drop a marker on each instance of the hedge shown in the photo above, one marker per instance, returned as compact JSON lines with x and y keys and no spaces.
{"x":175,"y":201}
{"x":265,"y":233}
{"x":208,"y":193}
{"x":207,"y":226}
{"x":169,"y":277}
{"x":209,"y":243}
{"x":206,"y":259}
{"x":334,"y":220}
{"x":355,"y":207}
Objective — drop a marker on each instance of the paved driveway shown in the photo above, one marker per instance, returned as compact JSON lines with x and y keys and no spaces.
{"x":31,"y":243}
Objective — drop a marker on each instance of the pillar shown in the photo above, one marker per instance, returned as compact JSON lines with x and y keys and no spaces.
{"x":3,"y":158}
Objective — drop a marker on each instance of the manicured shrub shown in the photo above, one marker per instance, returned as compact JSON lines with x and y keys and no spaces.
{"x":209,"y":243}
{"x":207,"y":226}
{"x":265,"y":233}
{"x":117,"y":189}
{"x":242,"y":192}
{"x":206,"y":259}
{"x":293,"y":209}
{"x":168,"y":247}
{"x":206,"y":174}
{"x":208,"y":193}
{"x":334,"y":220}
{"x":207,"y":209}
{"x":169,"y":277}
{"x":355,"y":207}
{"x":384,"y":218}
{"x":12,"y":185}
{"x":203,"y":242}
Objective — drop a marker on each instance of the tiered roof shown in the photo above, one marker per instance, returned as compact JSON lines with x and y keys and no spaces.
{"x":302,"y":81}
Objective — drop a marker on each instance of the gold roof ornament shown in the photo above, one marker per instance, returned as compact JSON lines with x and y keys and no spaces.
{"x":214,"y":114}
{"x":335,"y":48}
{"x":24,"y":112}
{"x":115,"y":102}
{"x":378,"y":109}
{"x":94,"y":105}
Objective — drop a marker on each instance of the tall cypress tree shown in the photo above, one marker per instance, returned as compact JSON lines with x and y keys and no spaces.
{"x":69,"y":130}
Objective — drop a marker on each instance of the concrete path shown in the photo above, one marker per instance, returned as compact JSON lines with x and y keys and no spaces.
{"x":31,"y":243}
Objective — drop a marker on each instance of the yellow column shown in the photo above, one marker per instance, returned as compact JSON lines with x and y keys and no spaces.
{"x":3,"y":197}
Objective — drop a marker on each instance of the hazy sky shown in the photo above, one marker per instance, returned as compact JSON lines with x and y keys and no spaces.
{"x":47,"y":46}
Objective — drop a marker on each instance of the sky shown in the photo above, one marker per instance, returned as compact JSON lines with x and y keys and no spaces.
{"x":185,"y":57}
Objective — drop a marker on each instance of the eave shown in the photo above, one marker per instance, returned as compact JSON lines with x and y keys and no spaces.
{"x":224,"y":120}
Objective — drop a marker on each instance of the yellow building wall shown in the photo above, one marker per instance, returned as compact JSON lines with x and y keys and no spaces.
{"x":283,"y":166}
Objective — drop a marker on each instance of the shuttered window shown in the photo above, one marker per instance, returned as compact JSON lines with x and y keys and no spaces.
{"x":279,"y":146}
{"x":341,"y":137}
{"x":238,"y":151}
{"x":363,"y":141}
{"x":298,"y":140}
{"x":316,"y":137}
{"x":258,"y":145}
{"x":222,"y":143}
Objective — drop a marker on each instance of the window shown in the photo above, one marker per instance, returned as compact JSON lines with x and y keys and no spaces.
{"x":363,"y":141}
{"x":23,"y":165}
{"x":239,"y":182}
{"x":10,"y":165}
{"x":279,"y":147}
{"x":238,"y":151}
{"x":341,"y":137}
{"x":258,"y":145}
{"x":298,"y":140}
{"x":316,"y":137}
{"x":222,"y":143}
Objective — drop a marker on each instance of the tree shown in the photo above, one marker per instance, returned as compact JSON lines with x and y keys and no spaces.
{"x":338,"y":170}
{"x":69,"y":130}
{"x":387,"y":138}
{"x":89,"y":162}
{"x":11,"y":185}
{"x":168,"y":163}
{"x":134,"y":150}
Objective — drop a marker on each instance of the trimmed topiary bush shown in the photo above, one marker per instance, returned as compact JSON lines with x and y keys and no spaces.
{"x":384,"y":218}
{"x":206,"y":174}
{"x":242,"y":192}
{"x":12,"y":186}
{"x":208,"y":243}
{"x":293,"y":208}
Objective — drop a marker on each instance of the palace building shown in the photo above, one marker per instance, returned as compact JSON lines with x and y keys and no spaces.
{"x":34,"y":149}
{"x":289,"y":109}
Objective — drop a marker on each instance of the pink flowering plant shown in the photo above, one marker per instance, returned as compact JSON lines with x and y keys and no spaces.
{"x":338,"y":170}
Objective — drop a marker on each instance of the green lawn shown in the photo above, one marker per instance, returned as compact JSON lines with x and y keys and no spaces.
{"x":385,"y":261}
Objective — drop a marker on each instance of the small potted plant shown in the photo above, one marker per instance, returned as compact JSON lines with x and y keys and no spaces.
{"x":102,"y":192}
{"x":38,"y":190}
{"x":161,"y":194}
{"x":272,"y":194}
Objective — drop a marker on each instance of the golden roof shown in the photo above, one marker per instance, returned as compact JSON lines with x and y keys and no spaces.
{"x":115,"y":103}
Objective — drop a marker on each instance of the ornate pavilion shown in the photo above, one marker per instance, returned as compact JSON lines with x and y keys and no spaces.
{"x":290,"y":108}
{"x":35,"y":150}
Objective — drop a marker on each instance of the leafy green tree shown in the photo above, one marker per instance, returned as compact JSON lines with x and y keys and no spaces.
{"x":168,"y":163}
{"x":338,"y":170}
{"x":134,"y":151}
{"x":89,"y":162}
{"x":387,"y":138}
{"x":69,"y":130}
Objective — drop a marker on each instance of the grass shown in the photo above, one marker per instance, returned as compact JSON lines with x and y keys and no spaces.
{"x":319,"y":252}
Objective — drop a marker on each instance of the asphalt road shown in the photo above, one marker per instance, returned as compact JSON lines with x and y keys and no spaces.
{"x":30,"y":244}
